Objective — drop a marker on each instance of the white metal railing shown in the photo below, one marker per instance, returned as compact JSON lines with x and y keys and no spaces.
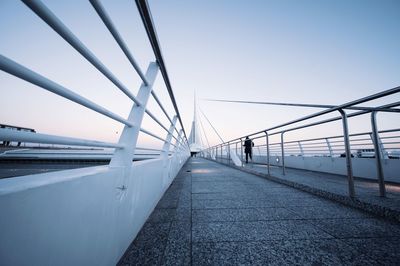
{"x":90,"y":215}
{"x":344,"y":147}
{"x":129,"y":136}
{"x":362,"y":146}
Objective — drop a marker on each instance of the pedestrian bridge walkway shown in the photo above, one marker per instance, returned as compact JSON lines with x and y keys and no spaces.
{"x":334,"y":187}
{"x":216,"y":215}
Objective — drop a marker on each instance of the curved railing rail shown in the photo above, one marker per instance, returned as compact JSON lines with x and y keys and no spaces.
{"x":90,"y":215}
{"x":332,"y":146}
{"x":126,"y":147}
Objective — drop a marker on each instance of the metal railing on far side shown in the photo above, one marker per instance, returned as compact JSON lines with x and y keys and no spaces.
{"x":346,"y":151}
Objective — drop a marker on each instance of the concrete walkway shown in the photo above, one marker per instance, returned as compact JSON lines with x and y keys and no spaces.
{"x":216,"y":215}
{"x":336,"y":187}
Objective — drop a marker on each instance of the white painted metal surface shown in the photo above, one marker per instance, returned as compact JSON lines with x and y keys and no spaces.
{"x":85,"y":216}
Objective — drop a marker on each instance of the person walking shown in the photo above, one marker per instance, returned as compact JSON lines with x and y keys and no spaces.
{"x":248,"y":146}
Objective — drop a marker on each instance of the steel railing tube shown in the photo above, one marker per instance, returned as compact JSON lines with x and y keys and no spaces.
{"x":113,"y":30}
{"x":151,"y":134}
{"x":378,"y":155}
{"x":13,"y":68}
{"x":55,"y":23}
{"x":23,"y":136}
{"x":337,"y":108}
{"x":229,"y":154}
{"x":155,"y":97}
{"x":267,"y":143}
{"x":156,"y":120}
{"x":222,"y":153}
{"x":241,"y":151}
{"x":147,"y":19}
{"x":283,"y":154}
{"x":348,"y":153}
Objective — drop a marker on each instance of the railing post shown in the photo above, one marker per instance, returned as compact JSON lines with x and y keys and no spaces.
{"x":383,"y":151}
{"x":177,"y":149}
{"x":378,"y":157}
{"x":348,"y":153}
{"x":123,"y":157}
{"x":229,"y":154}
{"x":329,"y":148}
{"x":267,"y":143}
{"x":283,"y":154}
{"x":222,"y":159}
{"x":216,"y":153}
{"x":241,"y":152}
{"x":167,"y":142}
{"x":236,"y":148}
{"x":301,"y":148}
{"x":220,"y":153}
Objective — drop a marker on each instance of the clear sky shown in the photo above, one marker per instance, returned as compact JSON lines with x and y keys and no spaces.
{"x":326,"y":52}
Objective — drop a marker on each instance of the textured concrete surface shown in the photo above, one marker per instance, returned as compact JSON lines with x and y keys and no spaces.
{"x":216,"y":215}
{"x":334,"y":187}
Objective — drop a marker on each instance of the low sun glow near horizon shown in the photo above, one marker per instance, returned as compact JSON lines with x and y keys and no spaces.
{"x":320,"y":52}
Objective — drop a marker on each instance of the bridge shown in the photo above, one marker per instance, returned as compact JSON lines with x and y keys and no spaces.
{"x":160,"y":196}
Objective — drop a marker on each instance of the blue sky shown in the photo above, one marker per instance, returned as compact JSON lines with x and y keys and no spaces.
{"x":326,"y":52}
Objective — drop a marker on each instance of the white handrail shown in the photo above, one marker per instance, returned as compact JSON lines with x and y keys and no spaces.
{"x":24,"y":136}
{"x":56,"y":24}
{"x":24,"y":73}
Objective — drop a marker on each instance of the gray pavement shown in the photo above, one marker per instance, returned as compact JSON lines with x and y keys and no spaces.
{"x":216,"y":215}
{"x":336,"y":187}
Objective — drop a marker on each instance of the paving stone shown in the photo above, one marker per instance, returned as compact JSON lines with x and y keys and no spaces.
{"x":332,"y":211}
{"x":178,"y":248}
{"x":267,"y":194}
{"x":366,"y":191}
{"x":255,"y":231}
{"x":162,"y":216}
{"x":148,"y":247}
{"x":284,"y":252}
{"x":386,"y":251}
{"x":228,"y":217}
{"x":237,"y":215}
{"x":258,"y":203}
{"x":232,"y":203}
{"x":167,"y":203}
{"x":183,"y":215}
{"x":354,"y":228}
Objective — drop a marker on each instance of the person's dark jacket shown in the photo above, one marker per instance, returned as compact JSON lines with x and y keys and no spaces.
{"x":248,"y":144}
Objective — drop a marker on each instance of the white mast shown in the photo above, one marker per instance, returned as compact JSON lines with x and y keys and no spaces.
{"x":194,"y":137}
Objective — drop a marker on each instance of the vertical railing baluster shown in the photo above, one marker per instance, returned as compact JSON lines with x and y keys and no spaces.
{"x":123,"y":157}
{"x":378,"y":157}
{"x":229,"y":153}
{"x":283,"y":154}
{"x":329,"y":148}
{"x":267,"y":143}
{"x":348,"y":153}
{"x":167,"y":142}
{"x":301,"y":148}
{"x":241,"y":152}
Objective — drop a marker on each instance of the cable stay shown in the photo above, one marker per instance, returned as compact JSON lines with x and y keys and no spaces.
{"x":326,"y":106}
{"x":204,"y":132}
{"x":201,"y":111}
